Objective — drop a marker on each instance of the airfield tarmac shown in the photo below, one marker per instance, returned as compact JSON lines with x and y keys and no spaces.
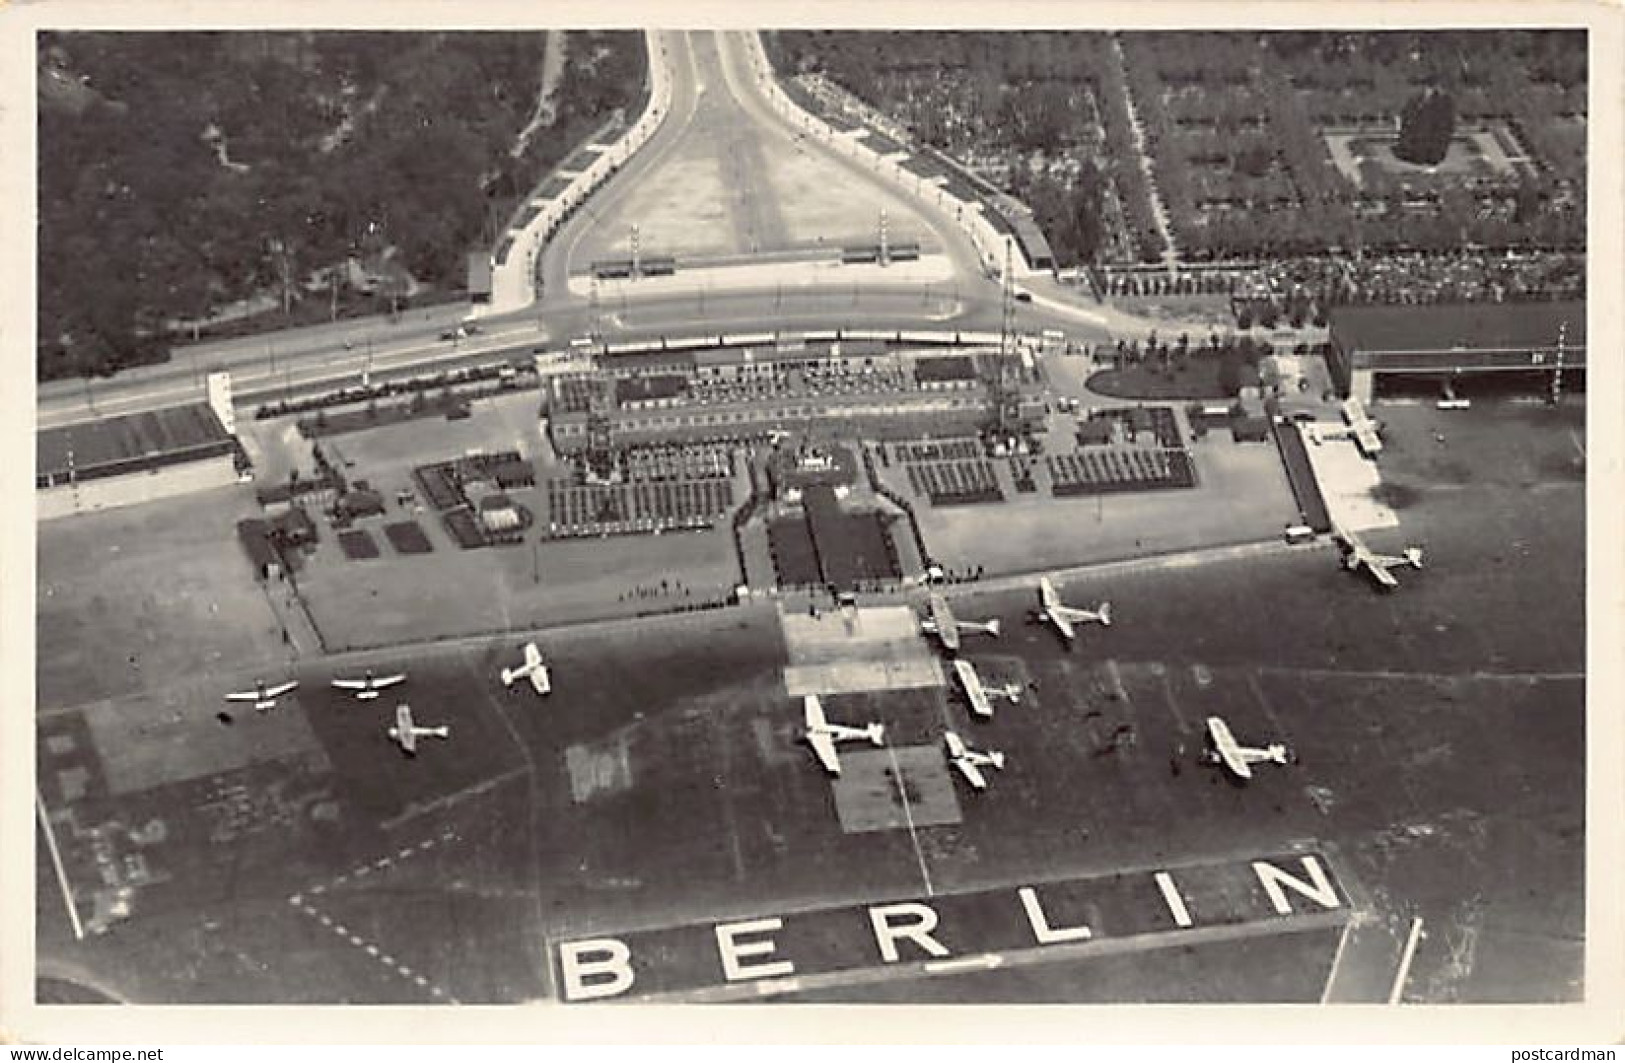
{"x":1439,"y":732}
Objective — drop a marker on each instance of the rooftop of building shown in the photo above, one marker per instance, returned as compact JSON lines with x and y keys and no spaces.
{"x":1458,"y":326}
{"x":105,"y":446}
{"x":651,"y":388}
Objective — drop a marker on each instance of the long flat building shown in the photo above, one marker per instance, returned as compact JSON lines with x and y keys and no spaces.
{"x":1450,"y":339}
{"x":847,"y":386}
{"x":135,"y":458}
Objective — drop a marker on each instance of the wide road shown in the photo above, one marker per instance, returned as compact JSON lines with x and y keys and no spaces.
{"x":715,"y":87}
{"x":727,"y":175}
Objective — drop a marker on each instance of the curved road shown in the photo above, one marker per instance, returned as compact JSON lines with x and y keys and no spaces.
{"x":715,"y":86}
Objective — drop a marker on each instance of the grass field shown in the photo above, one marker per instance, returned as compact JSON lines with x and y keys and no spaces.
{"x":138,"y":598}
{"x":1241,"y":495}
{"x":459,"y":592}
{"x":1196,"y":379}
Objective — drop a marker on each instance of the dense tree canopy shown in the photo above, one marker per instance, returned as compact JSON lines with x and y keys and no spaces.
{"x":1425,"y":129}
{"x":179,"y":172}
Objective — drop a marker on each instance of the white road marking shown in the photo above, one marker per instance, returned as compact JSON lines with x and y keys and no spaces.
{"x":908,"y":816}
{"x":1168,"y":698}
{"x":1432,"y":677}
{"x":1405,"y":961}
{"x":56,"y":861}
{"x":298,"y":901}
{"x":1258,"y":693}
{"x":987,"y":961}
{"x":773,"y":986}
{"x":1173,"y":898}
{"x":1337,"y":958}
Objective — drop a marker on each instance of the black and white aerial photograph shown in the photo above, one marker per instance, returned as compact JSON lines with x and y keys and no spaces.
{"x":961,"y":514}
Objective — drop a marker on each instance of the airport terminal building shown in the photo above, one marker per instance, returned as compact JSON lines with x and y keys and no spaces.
{"x":1454,"y":342}
{"x":739,"y":392}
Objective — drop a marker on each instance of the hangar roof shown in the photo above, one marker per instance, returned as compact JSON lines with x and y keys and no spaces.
{"x":1458,"y":326}
{"x":138,"y":440}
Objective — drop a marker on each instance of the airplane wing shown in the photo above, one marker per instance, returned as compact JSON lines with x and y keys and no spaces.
{"x":351,"y":684}
{"x":824,"y":746}
{"x":1063,"y":623}
{"x":403,"y":731}
{"x":1224,"y":743}
{"x":1047,"y":596}
{"x":971,"y":772}
{"x":956,"y":745}
{"x":533,"y":656}
{"x":813,"y":712}
{"x":243,"y":695}
{"x":381,"y":682}
{"x":974,"y":691}
{"x":541,"y":680}
{"x":281,"y":688}
{"x":1380,"y":573}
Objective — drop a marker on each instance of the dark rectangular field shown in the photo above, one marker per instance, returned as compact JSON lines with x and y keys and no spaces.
{"x":408,"y":537}
{"x":358,"y":544}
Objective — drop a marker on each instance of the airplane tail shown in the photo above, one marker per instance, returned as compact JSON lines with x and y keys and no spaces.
{"x":996,"y":758}
{"x":877,"y":733}
{"x":367,"y":695}
{"x":1413,"y":554}
{"x":1105,"y":612}
{"x":443,"y":731}
{"x":992,"y":627}
{"x":508,"y":676}
{"x":1277,"y":753}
